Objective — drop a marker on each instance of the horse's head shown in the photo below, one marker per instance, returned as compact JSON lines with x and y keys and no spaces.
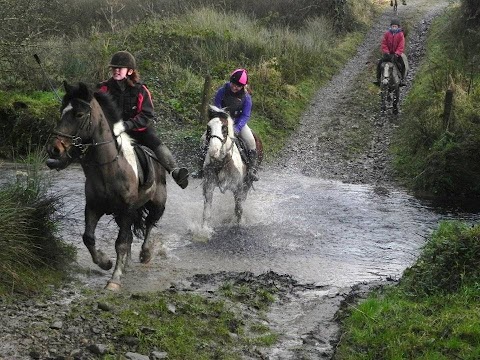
{"x":219,"y":130}
{"x":74,"y":129}
{"x":390,"y":74}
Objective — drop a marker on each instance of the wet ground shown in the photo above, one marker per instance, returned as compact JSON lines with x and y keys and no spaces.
{"x":326,"y":235}
{"x":357,"y":227}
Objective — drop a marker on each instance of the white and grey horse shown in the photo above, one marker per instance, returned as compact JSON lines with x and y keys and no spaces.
{"x":389,"y":86}
{"x":224,"y":166}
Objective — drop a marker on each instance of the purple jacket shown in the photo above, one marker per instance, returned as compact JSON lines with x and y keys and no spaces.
{"x":238,"y":104}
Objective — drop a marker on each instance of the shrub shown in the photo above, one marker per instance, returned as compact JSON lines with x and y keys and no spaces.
{"x":32,"y":255}
{"x":449,"y":261}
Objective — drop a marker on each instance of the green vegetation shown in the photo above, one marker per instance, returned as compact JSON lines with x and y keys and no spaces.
{"x":290,"y":50}
{"x":185,"y":325}
{"x":25,"y":122}
{"x":436,"y":155}
{"x":431,"y":314}
{"x":31,"y":255}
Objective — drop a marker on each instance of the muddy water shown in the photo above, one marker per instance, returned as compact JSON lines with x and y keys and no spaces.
{"x":318,"y":231}
{"x":325,"y":234}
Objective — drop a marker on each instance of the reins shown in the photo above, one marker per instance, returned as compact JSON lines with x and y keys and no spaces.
{"x":77,"y":141}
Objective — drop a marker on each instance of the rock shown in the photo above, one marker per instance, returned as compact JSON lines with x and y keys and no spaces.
{"x":158,"y":355}
{"x":98,"y":349}
{"x":135,"y":356}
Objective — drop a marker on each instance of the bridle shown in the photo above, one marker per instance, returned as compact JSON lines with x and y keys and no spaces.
{"x":76,"y":141}
{"x":223,"y":140}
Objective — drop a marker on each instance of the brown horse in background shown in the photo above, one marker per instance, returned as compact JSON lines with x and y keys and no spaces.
{"x":115,"y":182}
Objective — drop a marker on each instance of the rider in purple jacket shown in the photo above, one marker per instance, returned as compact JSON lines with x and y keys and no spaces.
{"x":235,"y":98}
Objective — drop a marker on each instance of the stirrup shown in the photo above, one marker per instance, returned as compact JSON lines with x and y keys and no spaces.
{"x":180,"y":175}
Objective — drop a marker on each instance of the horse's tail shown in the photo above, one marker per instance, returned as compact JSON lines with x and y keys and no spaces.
{"x":139,"y":227}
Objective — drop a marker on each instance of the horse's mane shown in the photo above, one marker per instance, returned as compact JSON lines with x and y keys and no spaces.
{"x":214,"y":112}
{"x":108,"y":106}
{"x":84,"y":93}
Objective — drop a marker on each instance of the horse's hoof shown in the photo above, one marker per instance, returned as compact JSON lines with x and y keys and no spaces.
{"x":145,"y":256}
{"x":106,"y":265}
{"x":112,"y":286}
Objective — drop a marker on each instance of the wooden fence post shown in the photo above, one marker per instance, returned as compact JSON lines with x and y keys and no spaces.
{"x":447,"y":108}
{"x":205,"y":99}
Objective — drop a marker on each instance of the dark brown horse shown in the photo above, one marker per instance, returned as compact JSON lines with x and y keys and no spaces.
{"x":224,"y":166}
{"x":115,"y":182}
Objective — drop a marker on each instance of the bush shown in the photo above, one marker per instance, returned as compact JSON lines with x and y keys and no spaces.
{"x":26,"y":122}
{"x":32,"y":255}
{"x":437,"y":156}
{"x":449,"y":261}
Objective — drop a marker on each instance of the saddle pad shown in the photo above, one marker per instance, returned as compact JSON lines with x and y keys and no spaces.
{"x":144,"y":157}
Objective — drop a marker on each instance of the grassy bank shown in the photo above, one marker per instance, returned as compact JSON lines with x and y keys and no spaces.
{"x":32,"y":256}
{"x":431,"y":314}
{"x":288,"y":56}
{"x":436,"y":147}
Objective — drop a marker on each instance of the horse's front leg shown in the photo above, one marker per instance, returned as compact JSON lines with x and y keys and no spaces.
{"x":92,"y":217}
{"x":208,"y":188}
{"x":240,"y":195}
{"x":155,"y":212}
{"x":396,"y":95}
{"x":122,"y":247}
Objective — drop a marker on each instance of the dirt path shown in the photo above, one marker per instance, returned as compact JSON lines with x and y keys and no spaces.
{"x":339,"y":138}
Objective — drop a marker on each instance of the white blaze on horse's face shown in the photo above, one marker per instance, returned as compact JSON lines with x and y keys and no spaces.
{"x":68,"y":108}
{"x":386,"y":73}
{"x":216,"y":137}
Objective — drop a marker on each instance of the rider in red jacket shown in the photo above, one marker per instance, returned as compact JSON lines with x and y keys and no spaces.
{"x":393,"y":45}
{"x":135,"y":104}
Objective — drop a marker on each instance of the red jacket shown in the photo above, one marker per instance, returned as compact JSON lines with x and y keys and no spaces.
{"x":393,"y":43}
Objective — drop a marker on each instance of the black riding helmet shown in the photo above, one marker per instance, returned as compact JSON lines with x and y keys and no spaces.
{"x":395,"y":21}
{"x":123,"y":59}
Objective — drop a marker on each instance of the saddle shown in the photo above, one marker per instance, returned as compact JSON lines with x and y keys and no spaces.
{"x":242,"y":148}
{"x":145,"y":159}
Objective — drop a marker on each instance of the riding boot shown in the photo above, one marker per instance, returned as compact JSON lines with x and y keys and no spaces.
{"x":252,"y":165}
{"x":165,"y":158}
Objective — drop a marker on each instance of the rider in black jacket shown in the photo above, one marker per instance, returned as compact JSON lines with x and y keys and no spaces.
{"x":135,"y":103}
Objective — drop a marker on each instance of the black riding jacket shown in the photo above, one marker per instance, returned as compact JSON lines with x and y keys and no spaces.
{"x":135,"y":103}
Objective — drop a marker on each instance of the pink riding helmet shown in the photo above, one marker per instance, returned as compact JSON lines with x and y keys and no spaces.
{"x":239,"y":77}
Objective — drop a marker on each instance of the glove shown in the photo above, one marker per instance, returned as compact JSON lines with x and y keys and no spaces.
{"x":119,"y":128}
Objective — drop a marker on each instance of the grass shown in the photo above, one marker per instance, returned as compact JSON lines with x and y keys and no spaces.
{"x":436,"y":156}
{"x":32,"y":256}
{"x":184,"y":325}
{"x":431,"y":314}
{"x":175,"y":53}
